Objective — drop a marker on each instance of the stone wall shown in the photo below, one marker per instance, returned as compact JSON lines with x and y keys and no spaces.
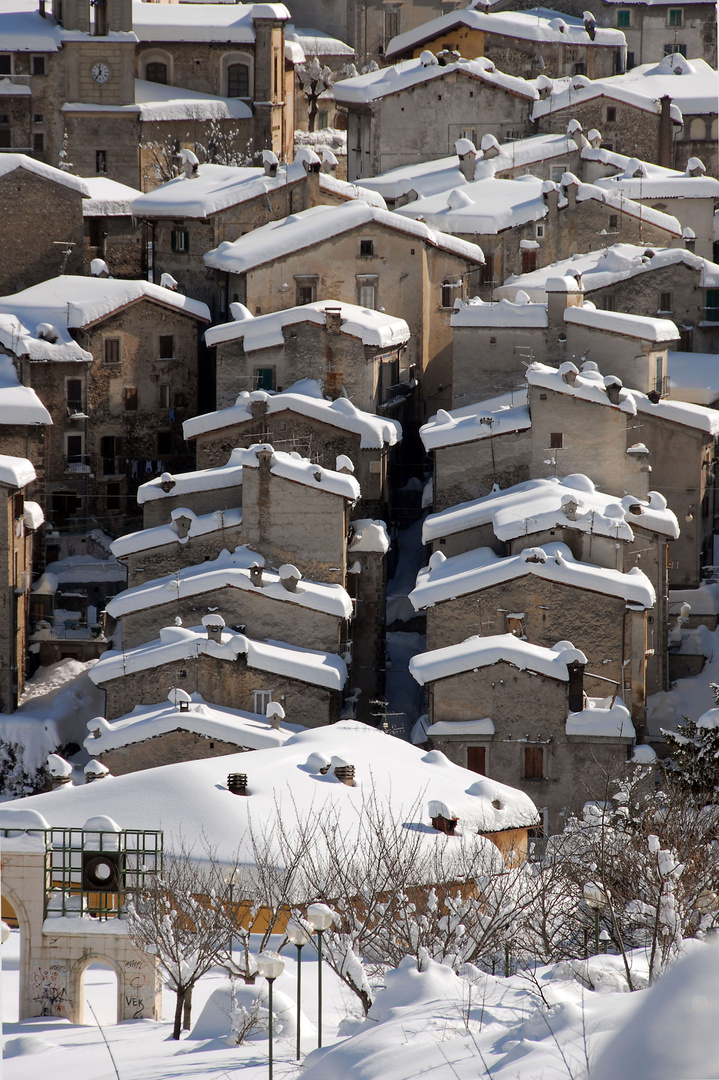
{"x":203,"y":501}
{"x":165,"y":559}
{"x":470,"y":470}
{"x":36,"y":215}
{"x":165,"y":749}
{"x":632,"y":131}
{"x":15,"y":582}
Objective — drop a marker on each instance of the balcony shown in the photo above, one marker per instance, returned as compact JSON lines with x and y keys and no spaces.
{"x":78,"y":465}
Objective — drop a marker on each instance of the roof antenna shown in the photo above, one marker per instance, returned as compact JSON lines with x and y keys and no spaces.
{"x":68,"y":245}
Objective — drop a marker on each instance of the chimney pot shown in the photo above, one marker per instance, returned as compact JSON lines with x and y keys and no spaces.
{"x":237,"y":783}
{"x":345,"y":774}
{"x":256,"y":575}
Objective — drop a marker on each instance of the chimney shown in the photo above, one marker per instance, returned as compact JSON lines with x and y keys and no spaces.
{"x":467,"y":154}
{"x":256,"y":575}
{"x":345,"y":774}
{"x":570,"y":507}
{"x":214,"y":625}
{"x":269,"y":162}
{"x":329,"y":162}
{"x":95,"y":770}
{"x":576,"y":686}
{"x":550,"y":194}
{"x":167,"y":482}
{"x":664,"y":155}
{"x":444,"y":825}
{"x":259,"y":409}
{"x":568,"y":372}
{"x":333,"y":319}
{"x":182,"y":525}
{"x":290,"y":577}
{"x":275,"y":714}
{"x":237,"y":783}
{"x":613,"y":387}
{"x":60,"y":771}
{"x":344,"y":464}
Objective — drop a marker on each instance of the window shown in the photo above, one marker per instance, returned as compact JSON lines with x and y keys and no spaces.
{"x":367,"y":295}
{"x":305,"y":294}
{"x":665,"y":301}
{"x":486,"y":272}
{"x":558,"y":172}
{"x":130,"y":398}
{"x":38,"y":143}
{"x":97,"y":231}
{"x":611,"y":114}
{"x":712,"y":305}
{"x":512,"y":136}
{"x":180,"y":240}
{"x":658,"y":374}
{"x":614,"y":221}
{"x":110,"y":449}
{"x":73,"y":393}
{"x":73,"y":445}
{"x":5,"y":64}
{"x":674,"y":47}
{"x":608,"y":303}
{"x":38,"y":65}
{"x":529,"y":260}
{"x":675,"y":17}
{"x":468,"y":133}
{"x":539,"y":232}
{"x":391,"y":25}
{"x":449,"y":294}
{"x":238,"y":80}
{"x":167,"y":346}
{"x":156,"y":72}
{"x":366,"y":248}
{"x":533,"y":763}
{"x":264,"y":378}
{"x":164,"y":443}
{"x":515,"y":624}
{"x":630,"y":61}
{"x":111,"y":351}
{"x":476,"y":759}
{"x":165,"y":396}
{"x":261,"y":699}
{"x":38,"y":118}
{"x":323,"y":120}
{"x":112,"y":498}
{"x":101,"y":161}
{"x":556,"y":440}
{"x":624,"y":19}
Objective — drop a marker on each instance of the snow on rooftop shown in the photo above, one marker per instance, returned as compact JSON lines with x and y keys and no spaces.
{"x":16,"y":472}
{"x":478,"y":652}
{"x":320,"y":224}
{"x":604,"y":718}
{"x":496,"y":416}
{"x":369,"y":535}
{"x":444,"y":579}
{"x":222,"y":476}
{"x":171,"y":533}
{"x":617,"y":322}
{"x":373,"y":328}
{"x":536,"y":505}
{"x":601,"y":268}
{"x":540,"y":25}
{"x":674,"y":186}
{"x":74,"y":302}
{"x":252,"y":731}
{"x":18,"y":404}
{"x":229,"y":571}
{"x":22,"y":29}
{"x":189,"y":800}
{"x":108,"y":198}
{"x":10,"y":162}
{"x":300,"y":470}
{"x":226,"y":23}
{"x":362,"y":89}
{"x":185,"y":643}
{"x":517,"y":313}
{"x":18,"y":340}
{"x":375,"y":431}
{"x":316,"y":42}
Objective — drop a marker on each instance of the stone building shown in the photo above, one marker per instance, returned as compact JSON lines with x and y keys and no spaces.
{"x":358,"y":254}
{"x":560,"y":748}
{"x":18,"y":521}
{"x":654,"y":30}
{"x":676,"y":284}
{"x":23,"y":417}
{"x":31,"y":191}
{"x":190,"y":214}
{"x":204,"y":492}
{"x":226,"y":668}
{"x":532,"y":44}
{"x":318,"y":429}
{"x":96,"y":82}
{"x":538,"y":595}
{"x":118,"y":386}
{"x":354,"y":351}
{"x":112,"y":234}
{"x":417,"y":110}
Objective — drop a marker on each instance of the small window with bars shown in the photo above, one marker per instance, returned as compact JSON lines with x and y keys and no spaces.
{"x":180,"y":240}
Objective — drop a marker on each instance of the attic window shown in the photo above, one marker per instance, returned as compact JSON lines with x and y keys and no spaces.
{"x":611,"y":114}
{"x":366,"y":248}
{"x":261,"y":699}
{"x":665,"y":301}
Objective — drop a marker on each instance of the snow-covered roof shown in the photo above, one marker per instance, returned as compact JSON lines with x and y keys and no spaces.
{"x":226,"y":23}
{"x":222,"y":476}
{"x":673,"y":186}
{"x":83,"y":569}
{"x":518,"y":313}
{"x":252,"y":731}
{"x":606,"y":266}
{"x":540,"y":25}
{"x":170,"y":533}
{"x":375,"y":431}
{"x":16,"y":472}
{"x":369,"y":535}
{"x":601,"y":719}
{"x":300,"y":470}
{"x":617,"y":322}
{"x":218,"y":187}
{"x":108,"y":198}
{"x":373,"y":328}
{"x":186,"y":642}
{"x":546,"y":503}
{"x":496,"y":416}
{"x":23,"y":29}
{"x":72,"y":302}
{"x":17,"y":339}
{"x":476,"y":652}
{"x":320,"y":224}
{"x":590,"y":385}
{"x":316,"y":42}
{"x":230,"y":571}
{"x":445,"y":579}
{"x":10,"y":162}
{"x":491,"y":205}
{"x":363,"y":89}
{"x":18,"y":404}
{"x":189,"y":800}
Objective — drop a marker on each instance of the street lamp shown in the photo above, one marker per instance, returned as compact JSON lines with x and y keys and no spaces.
{"x":604,"y":938}
{"x":270,"y":965}
{"x":320,"y":917}
{"x":595,"y":897}
{"x":297,"y":935}
{"x":231,"y":876}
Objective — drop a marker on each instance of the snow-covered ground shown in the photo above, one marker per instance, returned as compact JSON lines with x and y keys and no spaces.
{"x":573,"y":1020}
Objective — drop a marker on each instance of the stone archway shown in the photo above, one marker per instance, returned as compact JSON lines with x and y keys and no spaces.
{"x":11,"y":897}
{"x":77,"y":984}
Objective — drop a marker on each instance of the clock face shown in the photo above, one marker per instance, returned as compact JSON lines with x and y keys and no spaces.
{"x":100,"y":72}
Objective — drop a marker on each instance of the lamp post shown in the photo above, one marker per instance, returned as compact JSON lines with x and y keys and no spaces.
{"x":231,"y":876}
{"x":297,"y":935}
{"x":595,"y":897}
{"x":270,"y":965}
{"x":320,"y":917}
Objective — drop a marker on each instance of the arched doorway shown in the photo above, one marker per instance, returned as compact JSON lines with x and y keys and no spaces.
{"x":99,"y":993}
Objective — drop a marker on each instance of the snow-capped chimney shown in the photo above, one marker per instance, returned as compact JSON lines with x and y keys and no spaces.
{"x":590,"y":24}
{"x":190,"y":164}
{"x":275,"y":714}
{"x":614,"y":387}
{"x":568,"y":372}
{"x":333,"y":319}
{"x":467,"y":154}
{"x":167,"y":482}
{"x":256,"y":575}
{"x":329,"y":162}
{"x":237,"y":783}
{"x":570,"y":506}
{"x":270,"y":162}
{"x":182,"y":525}
{"x":60,"y":771}
{"x":259,"y":408}
{"x":443,"y":820}
{"x":95,"y":770}
{"x":214,"y":625}
{"x":345,"y":773}
{"x":290,"y":577}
